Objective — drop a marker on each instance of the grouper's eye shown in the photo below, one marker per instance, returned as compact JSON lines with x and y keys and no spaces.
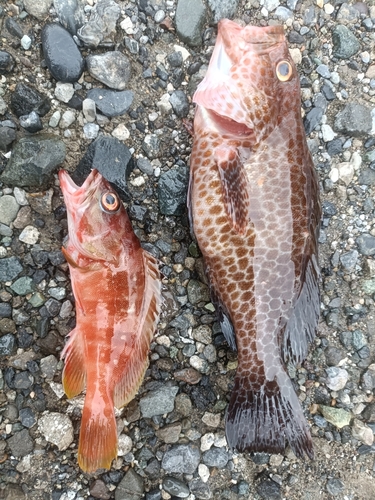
{"x":284,"y":71}
{"x":110,"y":202}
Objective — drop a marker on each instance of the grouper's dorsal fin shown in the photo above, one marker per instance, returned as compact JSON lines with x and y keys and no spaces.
{"x":234,"y":187}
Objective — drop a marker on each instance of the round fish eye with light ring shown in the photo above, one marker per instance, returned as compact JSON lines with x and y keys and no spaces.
{"x":284,"y":71}
{"x":110,"y":202}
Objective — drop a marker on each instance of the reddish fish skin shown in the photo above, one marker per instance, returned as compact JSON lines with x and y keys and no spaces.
{"x":254,"y":206}
{"x":117,"y":289}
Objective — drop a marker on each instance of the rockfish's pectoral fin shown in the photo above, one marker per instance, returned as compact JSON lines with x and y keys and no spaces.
{"x":74,"y":373}
{"x":132,"y":375}
{"x":190,"y":204}
{"x":234,"y":187}
{"x":301,"y":327}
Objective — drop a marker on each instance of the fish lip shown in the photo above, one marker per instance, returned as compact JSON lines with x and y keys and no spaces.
{"x":79,"y":193}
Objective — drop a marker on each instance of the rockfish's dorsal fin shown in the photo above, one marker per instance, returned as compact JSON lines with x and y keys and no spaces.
{"x":234,"y":187}
{"x":133,"y":373}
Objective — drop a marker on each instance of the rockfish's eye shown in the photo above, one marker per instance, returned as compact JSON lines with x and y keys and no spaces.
{"x":110,"y":202}
{"x":284,"y":71}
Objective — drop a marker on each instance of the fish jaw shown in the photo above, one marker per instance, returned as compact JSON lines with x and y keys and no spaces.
{"x":241,"y":84}
{"x":94,"y":235}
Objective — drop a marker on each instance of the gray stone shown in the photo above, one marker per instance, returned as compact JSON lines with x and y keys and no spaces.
{"x":345,"y":44}
{"x":7,"y":344}
{"x":110,"y":102}
{"x":355,"y":120}
{"x":283,"y":13}
{"x":57,"y":429}
{"x":175,"y":487}
{"x":367,"y":177}
{"x":23,"y":286}
{"x":131,"y":487}
{"x":366,"y":244}
{"x":347,"y":13}
{"x":10,"y":268}
{"x":8,"y":209}
{"x":200,"y":489}
{"x":323,"y":70}
{"x":368,"y":379}
{"x":336,"y":416}
{"x":336,"y":378}
{"x":181,"y":459}
{"x":101,"y":26}
{"x":62,"y":56}
{"x":151,"y":146}
{"x":31,"y":122}
{"x":349,"y":260}
{"x":23,"y":380}
{"x":70,"y":13}
{"x":335,"y":487}
{"x":33,"y":161}
{"x":39,"y":9}
{"x":172,"y":190}
{"x":223,"y":8}
{"x":197,"y":292}
{"x":6,"y":62}
{"x":180,"y":103}
{"x":145,"y":166}
{"x":334,"y":355}
{"x":26,"y":99}
{"x":112,"y":68}
{"x":27,"y":417}
{"x":21,"y":443}
{"x":89,"y":110}
{"x":216,"y":457}
{"x":359,"y":340}
{"x":48,"y":366}
{"x":269,"y":490}
{"x":159,"y":401}
{"x":313,"y":119}
{"x":190,"y":18}
{"x":7,"y":136}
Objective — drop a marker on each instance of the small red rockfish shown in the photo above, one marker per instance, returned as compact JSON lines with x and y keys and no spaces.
{"x":117,"y":288}
{"x":255,"y":210}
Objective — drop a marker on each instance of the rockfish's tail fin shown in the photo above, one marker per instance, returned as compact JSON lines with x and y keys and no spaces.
{"x":131,"y":378}
{"x":98,"y":436}
{"x":265,"y":418}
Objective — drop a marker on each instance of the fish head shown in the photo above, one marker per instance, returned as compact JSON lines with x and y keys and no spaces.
{"x":97,"y":220}
{"x":251,"y":84}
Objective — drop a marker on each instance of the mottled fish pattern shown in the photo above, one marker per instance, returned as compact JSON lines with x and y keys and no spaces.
{"x":254,"y":206}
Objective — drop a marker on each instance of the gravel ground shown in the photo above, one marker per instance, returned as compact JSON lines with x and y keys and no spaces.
{"x":149,"y":55}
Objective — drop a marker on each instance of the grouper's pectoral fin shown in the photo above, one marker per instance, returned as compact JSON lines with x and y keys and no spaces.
{"x":132,"y":376}
{"x":301,"y":327}
{"x":234,"y":187}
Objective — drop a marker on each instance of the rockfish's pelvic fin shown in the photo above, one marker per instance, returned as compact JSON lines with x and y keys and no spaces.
{"x":234,"y":187}
{"x":134,"y":371}
{"x":74,"y":374}
{"x":265,"y":418}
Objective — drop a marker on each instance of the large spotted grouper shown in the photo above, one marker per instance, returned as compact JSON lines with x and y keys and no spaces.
{"x":117,"y":288}
{"x":255,"y":210}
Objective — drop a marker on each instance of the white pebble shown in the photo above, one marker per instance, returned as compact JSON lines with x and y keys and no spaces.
{"x":64,"y":91}
{"x":20,"y":196}
{"x":125,"y":445}
{"x":138,"y":181}
{"x":29,"y":235}
{"x":207,"y":440}
{"x":26,"y":42}
{"x":121,"y":132}
{"x":204,"y":472}
{"x":67,"y":118}
{"x":185,"y":53}
{"x":55,"y":119}
{"x":89,"y":110}
{"x":334,"y":174}
{"x":329,"y":9}
{"x":91,"y":130}
{"x":57,"y":429}
{"x":328,"y":133}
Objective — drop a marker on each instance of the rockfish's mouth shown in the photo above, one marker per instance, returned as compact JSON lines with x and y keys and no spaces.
{"x":79,"y":193}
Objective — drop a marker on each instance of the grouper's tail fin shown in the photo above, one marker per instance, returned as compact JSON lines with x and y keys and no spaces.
{"x":266,"y":417}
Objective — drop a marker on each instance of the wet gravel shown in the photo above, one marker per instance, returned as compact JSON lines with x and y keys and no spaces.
{"x":117,"y":101}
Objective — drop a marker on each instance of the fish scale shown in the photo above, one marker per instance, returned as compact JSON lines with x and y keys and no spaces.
{"x":255,"y":211}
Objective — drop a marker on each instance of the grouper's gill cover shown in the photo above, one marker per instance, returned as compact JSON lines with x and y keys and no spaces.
{"x":117,"y":289}
{"x":254,"y":205}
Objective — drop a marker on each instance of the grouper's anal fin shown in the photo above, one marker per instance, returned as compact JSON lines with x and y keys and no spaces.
{"x":234,"y":187}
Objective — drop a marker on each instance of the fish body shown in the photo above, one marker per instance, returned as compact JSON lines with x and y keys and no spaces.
{"x":254,"y":206}
{"x":117,"y":289}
